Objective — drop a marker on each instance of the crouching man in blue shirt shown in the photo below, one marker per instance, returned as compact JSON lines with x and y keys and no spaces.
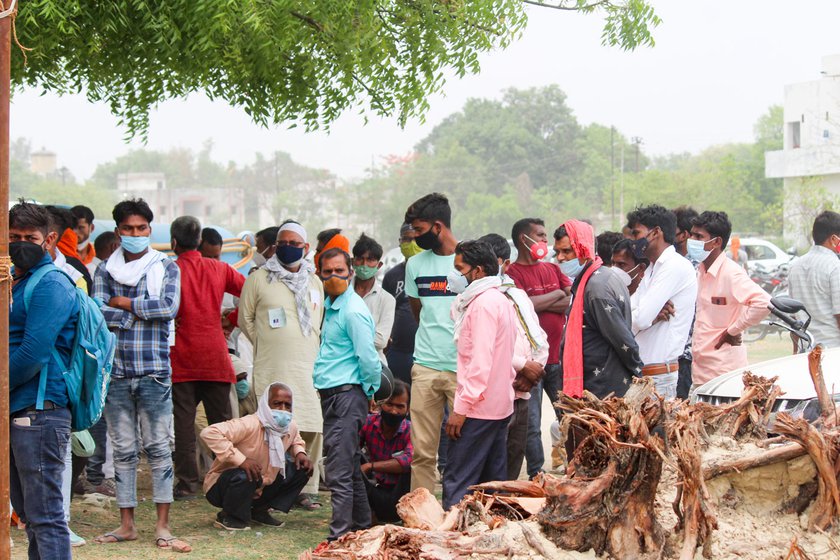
{"x":39,"y":433}
{"x":347,"y":373}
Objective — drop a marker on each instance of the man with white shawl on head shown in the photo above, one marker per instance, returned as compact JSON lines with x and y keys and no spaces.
{"x":280,"y":312}
{"x":261,"y":463}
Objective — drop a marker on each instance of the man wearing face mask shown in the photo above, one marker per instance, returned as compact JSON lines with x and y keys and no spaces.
{"x":141,"y":288}
{"x":201,"y":366}
{"x":815,"y":280}
{"x":598,"y":351}
{"x":47,"y":324}
{"x":728,"y":301}
{"x":280,"y":313}
{"x":84,"y":227}
{"x":629,"y":263}
{"x":548,"y":289}
{"x":669,"y":284}
{"x":367,"y":260}
{"x":400,"y":352}
{"x":433,"y":374}
{"x":347,"y":374}
{"x":685,"y":217}
{"x":264,"y":244}
{"x":260,"y":463}
{"x":485,"y":336}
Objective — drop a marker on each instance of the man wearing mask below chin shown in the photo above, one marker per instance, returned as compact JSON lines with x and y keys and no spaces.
{"x":433,"y":373}
{"x":201,"y":366}
{"x":260,"y":463}
{"x":386,"y":437}
{"x":663,"y":305}
{"x":280,"y":313}
{"x":549,"y":291}
{"x":728,"y":301}
{"x":400,"y":351}
{"x":141,"y":288}
{"x":46,"y":325}
{"x":629,"y":263}
{"x":367,"y":260}
{"x":598,"y":352}
{"x":485,"y":336}
{"x":84,"y":227}
{"x":264,"y":245}
{"x":347,"y":374}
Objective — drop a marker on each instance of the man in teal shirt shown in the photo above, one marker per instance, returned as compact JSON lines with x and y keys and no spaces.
{"x":347,"y":373}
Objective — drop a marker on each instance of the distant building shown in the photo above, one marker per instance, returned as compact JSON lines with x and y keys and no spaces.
{"x":43,"y":162}
{"x":810,"y":160}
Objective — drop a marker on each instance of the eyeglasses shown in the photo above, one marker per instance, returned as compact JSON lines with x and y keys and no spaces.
{"x":297,"y":244}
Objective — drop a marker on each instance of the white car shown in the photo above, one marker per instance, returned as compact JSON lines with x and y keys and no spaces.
{"x":763,"y":253}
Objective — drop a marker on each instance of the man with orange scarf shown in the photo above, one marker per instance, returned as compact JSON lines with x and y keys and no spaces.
{"x":598,"y":352}
{"x":330,"y":239}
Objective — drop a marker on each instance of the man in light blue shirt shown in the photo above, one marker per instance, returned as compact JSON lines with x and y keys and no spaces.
{"x":347,"y":373}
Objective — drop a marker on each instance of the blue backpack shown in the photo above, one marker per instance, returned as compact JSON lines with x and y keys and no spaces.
{"x":88,"y":374}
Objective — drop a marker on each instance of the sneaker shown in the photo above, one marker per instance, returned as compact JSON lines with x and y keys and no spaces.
{"x":229,"y":523}
{"x":107,"y":488}
{"x":75,"y":540}
{"x":180,"y":494}
{"x":264,"y":518}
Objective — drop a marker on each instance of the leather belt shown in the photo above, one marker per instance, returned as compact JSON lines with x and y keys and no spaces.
{"x":660,"y":369}
{"x":327,"y":393}
{"x":48,"y":405}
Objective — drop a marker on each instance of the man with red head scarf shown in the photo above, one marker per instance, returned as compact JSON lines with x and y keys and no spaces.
{"x":598,"y":352}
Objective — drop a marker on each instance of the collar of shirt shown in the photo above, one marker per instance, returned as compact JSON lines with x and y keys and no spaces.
{"x":714,"y":270}
{"x":377,"y":286}
{"x":824,"y":250}
{"x":377,"y":424}
{"x":191,"y":254}
{"x":668,"y":254}
{"x":341,"y":300}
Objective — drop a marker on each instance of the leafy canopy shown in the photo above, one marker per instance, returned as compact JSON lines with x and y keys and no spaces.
{"x":279,"y":60}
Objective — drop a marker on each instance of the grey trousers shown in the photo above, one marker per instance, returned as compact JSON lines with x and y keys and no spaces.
{"x":517,"y":437}
{"x":344,"y":415}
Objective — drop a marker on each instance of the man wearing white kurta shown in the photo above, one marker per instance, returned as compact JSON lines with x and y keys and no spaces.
{"x":280,"y":312}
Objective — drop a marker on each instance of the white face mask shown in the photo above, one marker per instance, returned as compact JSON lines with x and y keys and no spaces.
{"x":625,"y":277}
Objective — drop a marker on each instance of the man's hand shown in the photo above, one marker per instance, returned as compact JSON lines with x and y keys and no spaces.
{"x":366,"y":468}
{"x":528,"y":376}
{"x":665,"y":313}
{"x":453,"y":426}
{"x":726,"y":338}
{"x":302,"y":462}
{"x":120,"y":302}
{"x":252,"y":469}
{"x":373,"y":408}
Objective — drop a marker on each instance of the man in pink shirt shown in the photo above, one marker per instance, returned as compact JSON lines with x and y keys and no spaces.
{"x":485,"y":338}
{"x":728,"y":302}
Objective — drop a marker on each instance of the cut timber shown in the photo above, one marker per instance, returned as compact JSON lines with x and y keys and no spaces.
{"x":740,"y":464}
{"x":420,"y":510}
{"x":607,"y":500}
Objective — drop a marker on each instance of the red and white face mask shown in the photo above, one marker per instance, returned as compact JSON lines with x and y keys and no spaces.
{"x":538,"y":249}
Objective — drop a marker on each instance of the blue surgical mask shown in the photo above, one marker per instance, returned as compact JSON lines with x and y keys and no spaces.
{"x":242,"y":389}
{"x":456,"y":281}
{"x":288,"y":255}
{"x":696,"y":250}
{"x":571,"y":268}
{"x":135,"y":245}
{"x":282,"y":417}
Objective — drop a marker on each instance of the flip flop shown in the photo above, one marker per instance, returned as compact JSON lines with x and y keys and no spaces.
{"x":306,"y":503}
{"x":169,"y":543}
{"x":117,"y":538}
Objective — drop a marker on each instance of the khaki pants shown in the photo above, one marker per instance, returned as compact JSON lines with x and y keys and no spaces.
{"x":314,"y":444}
{"x":430,"y":389}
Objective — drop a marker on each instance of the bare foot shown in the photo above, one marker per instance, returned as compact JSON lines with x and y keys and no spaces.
{"x":172,"y":543}
{"x":120,"y":535}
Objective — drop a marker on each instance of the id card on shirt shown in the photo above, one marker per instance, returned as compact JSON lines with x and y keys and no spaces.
{"x":315,"y":296}
{"x":277,"y":318}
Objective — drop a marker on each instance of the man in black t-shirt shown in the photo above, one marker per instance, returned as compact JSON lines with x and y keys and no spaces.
{"x":400,"y":350}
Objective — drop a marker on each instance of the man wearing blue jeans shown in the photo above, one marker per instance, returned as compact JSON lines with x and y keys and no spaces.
{"x":39,"y":436}
{"x":140,"y":288}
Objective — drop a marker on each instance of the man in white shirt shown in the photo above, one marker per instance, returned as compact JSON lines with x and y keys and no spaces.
{"x":663,"y":305}
{"x":367,"y":260}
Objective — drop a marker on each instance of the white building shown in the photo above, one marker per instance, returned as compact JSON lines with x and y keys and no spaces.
{"x":810,"y":160}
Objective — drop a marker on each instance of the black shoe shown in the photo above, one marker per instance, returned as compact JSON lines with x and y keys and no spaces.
{"x":229,"y":523}
{"x":181,"y":495}
{"x":264,"y":518}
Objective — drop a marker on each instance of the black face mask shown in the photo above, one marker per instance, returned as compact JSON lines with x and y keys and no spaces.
{"x":428,"y":241}
{"x":26,"y":254}
{"x":392,"y":420}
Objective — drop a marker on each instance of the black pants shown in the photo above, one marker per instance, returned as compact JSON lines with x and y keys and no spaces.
{"x":517,"y":437}
{"x":400,"y":362}
{"x":234,"y":493}
{"x":185,"y":399}
{"x":684,"y":378}
{"x":383,"y":499}
{"x":93,"y":469}
{"x":479,"y":455}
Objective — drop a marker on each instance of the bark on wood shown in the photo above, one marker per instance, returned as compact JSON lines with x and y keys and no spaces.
{"x":815,"y":369}
{"x":740,"y":464}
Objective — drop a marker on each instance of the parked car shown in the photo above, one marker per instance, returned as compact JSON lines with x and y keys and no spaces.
{"x":766,"y":254}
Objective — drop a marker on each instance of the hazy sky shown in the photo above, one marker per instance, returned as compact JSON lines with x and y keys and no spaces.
{"x":716,"y":67}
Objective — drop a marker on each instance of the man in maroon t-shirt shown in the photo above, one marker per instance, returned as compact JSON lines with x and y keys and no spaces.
{"x":548,"y":289}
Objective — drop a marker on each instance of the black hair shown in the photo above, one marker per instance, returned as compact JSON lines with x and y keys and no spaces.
{"x":433,"y":207}
{"x":186,"y":231}
{"x":523,"y":226}
{"x":685,"y":217}
{"x":60,"y":219}
{"x":718,"y":225}
{"x":654,"y":216}
{"x":26,"y":215}
{"x":478,"y":253}
{"x":132,"y":207}
{"x":367,"y":245}
{"x":325,"y":236}
{"x":210,"y":236}
{"x":825,"y":225}
{"x":268,"y":235}
{"x":560,"y":233}
{"x":500,"y":246}
{"x":83,"y":213}
{"x":604,"y":243}
{"x":332,"y":252}
{"x":103,"y":240}
{"x":400,"y":388}
{"x":629,"y":247}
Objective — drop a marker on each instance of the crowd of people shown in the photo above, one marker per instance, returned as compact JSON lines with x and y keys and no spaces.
{"x":255,"y":388}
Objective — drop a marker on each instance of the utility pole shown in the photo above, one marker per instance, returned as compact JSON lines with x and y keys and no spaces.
{"x":612,"y":177}
{"x":621,"y":186}
{"x":637,"y":141}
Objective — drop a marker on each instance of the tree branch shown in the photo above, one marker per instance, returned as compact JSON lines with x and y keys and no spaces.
{"x":566,"y":8}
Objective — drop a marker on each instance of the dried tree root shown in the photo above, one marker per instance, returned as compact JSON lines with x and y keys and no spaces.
{"x":738,"y":464}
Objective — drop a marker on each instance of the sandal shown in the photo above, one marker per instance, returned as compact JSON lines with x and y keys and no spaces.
{"x":308,"y":503}
{"x":172,"y":543}
{"x":112,"y":535}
